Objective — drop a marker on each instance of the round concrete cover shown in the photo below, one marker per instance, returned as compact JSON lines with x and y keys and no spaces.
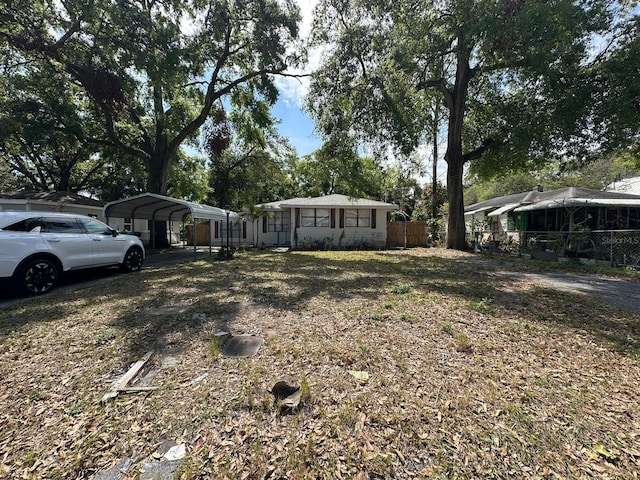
{"x":242,"y":346}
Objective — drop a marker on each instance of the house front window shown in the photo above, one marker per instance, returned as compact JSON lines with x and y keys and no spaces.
{"x":279,"y":222}
{"x":314,"y":217}
{"x":127,"y":225}
{"x":357,"y":217}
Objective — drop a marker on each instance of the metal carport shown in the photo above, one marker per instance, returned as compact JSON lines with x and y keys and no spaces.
{"x":151,"y":206}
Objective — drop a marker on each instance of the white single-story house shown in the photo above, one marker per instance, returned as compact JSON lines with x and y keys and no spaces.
{"x":558,"y":210}
{"x":331,"y":221}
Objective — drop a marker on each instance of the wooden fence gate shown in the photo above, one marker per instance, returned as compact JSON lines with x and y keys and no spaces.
{"x":414,"y":233}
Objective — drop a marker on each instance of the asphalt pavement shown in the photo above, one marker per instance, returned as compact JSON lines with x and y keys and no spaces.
{"x":177,"y":255}
{"x":615,"y":291}
{"x":83,"y":278}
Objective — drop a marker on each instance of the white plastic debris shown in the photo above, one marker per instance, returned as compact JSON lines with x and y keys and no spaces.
{"x":176,"y":452}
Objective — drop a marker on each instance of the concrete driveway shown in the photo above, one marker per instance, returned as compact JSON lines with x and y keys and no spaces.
{"x":622,"y":293}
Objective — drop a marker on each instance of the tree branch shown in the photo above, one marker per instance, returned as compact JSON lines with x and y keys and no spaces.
{"x":68,"y":34}
{"x":438,"y":84}
{"x":487,"y":145}
{"x":116,"y":142}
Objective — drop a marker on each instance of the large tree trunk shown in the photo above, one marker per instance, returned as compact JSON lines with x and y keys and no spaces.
{"x":455,"y":226}
{"x":455,"y":171}
{"x":158,"y":182}
{"x":455,"y":159}
{"x":158,"y":170}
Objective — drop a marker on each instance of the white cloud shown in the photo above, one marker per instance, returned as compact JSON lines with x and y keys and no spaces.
{"x":306,"y":10}
{"x":292,"y":89}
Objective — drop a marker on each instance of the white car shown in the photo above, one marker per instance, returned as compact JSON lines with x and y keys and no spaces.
{"x":37,"y":247}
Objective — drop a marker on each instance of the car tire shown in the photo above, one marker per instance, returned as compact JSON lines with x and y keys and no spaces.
{"x":38,"y":276}
{"x":132,"y":260}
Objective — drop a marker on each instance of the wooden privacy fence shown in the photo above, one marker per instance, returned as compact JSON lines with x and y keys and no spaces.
{"x":202,"y":232}
{"x":416,"y":234}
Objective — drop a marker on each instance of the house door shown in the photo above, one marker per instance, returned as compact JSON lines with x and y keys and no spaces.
{"x":279,"y":223}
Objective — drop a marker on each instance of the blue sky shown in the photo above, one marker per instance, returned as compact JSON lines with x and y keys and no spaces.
{"x":296,"y":125}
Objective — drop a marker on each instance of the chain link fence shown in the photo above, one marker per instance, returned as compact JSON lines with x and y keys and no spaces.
{"x":618,"y":247}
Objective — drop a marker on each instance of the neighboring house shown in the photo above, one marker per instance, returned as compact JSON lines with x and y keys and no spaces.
{"x":330,"y":221}
{"x":626,"y":185}
{"x":51,"y":201}
{"x":554,"y":211}
{"x":70,"y":203}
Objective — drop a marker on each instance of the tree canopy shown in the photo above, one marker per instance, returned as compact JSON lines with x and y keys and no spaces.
{"x":152,"y":70}
{"x":43,"y":132}
{"x":597,"y":175}
{"x":513,"y":76}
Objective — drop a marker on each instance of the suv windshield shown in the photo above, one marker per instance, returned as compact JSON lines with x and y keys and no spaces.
{"x":94,"y":226}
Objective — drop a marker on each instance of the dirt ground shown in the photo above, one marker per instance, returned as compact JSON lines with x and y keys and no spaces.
{"x":412,"y":364}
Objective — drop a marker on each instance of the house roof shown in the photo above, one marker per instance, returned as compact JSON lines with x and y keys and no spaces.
{"x":158,"y":207}
{"x":626,"y":185}
{"x":581,"y":202}
{"x":52,"y":197}
{"x":329,"y":201}
{"x":569,"y":196}
{"x":502,"y":210}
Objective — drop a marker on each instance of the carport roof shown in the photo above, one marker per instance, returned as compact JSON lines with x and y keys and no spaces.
{"x":158,"y":207}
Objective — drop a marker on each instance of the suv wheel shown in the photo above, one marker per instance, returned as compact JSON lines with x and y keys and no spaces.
{"x":38,"y":276}
{"x":132,"y":260}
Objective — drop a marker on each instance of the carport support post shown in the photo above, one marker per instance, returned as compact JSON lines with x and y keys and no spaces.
{"x":210,"y":234}
{"x":153,"y":231}
{"x":195,"y":238}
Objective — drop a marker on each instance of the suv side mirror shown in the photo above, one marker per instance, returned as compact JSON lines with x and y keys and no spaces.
{"x":114,"y":233}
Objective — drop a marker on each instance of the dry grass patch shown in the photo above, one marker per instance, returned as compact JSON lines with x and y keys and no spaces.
{"x":467,"y":377}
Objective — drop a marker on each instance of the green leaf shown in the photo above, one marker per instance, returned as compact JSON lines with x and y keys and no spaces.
{"x":601,"y":449}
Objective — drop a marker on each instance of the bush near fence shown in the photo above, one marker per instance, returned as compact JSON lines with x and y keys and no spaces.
{"x":618,"y":247}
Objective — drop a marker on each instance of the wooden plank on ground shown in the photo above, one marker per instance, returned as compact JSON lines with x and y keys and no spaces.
{"x":138,"y":389}
{"x":127,"y":377}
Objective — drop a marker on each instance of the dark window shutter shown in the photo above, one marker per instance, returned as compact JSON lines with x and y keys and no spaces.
{"x":333,"y":218}
{"x":264,"y":225}
{"x":244,"y":229}
{"x":297,"y":218}
{"x":373,"y":218}
{"x":216,"y":229}
{"x":342,"y":218}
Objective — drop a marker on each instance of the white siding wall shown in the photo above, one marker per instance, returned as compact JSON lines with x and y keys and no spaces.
{"x":323,"y":237}
{"x":326,"y":237}
{"x":27,"y":206}
{"x":312,"y":237}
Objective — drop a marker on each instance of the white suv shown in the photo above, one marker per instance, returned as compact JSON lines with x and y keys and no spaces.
{"x":37,"y":247}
